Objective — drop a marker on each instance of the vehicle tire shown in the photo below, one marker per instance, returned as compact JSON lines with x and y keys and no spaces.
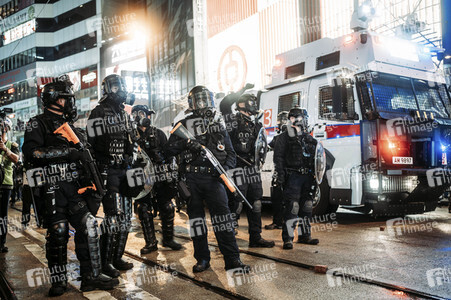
{"x":321,"y":205}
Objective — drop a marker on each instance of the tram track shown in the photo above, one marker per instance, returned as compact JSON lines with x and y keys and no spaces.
{"x":232,"y":295}
{"x":391,"y":286}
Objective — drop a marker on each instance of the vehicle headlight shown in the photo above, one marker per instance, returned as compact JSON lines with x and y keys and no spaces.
{"x":374,"y":183}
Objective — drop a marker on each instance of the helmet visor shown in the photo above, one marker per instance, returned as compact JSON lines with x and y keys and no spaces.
{"x":115,"y":85}
{"x":139,"y":114}
{"x":202,"y":100}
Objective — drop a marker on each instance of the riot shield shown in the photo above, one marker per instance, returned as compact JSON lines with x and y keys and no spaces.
{"x":149,"y":174}
{"x":261,"y":148}
{"x":320,"y":162}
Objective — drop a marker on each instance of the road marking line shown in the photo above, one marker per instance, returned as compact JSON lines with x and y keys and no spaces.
{"x":15,"y":234}
{"x":130,"y":289}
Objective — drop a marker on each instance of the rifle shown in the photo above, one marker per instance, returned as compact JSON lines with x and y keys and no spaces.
{"x":87,"y":161}
{"x":181,"y":131}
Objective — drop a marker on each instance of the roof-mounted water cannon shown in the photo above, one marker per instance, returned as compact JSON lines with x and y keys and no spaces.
{"x":362,"y":15}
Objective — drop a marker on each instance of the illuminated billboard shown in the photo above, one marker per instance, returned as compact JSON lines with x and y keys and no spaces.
{"x":19,"y":32}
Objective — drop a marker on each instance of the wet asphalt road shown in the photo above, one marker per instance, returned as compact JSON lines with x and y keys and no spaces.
{"x":410,"y":253}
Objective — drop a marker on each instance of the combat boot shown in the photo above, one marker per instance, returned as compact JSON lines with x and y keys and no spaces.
{"x":167,"y":225}
{"x":149,"y":235}
{"x":118,"y":262}
{"x":307,"y":240}
{"x":100,"y":282}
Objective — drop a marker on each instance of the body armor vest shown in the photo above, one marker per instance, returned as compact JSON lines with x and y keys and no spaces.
{"x":301,"y":152}
{"x":244,"y":138}
{"x":51,"y":140}
{"x":116,"y":133}
{"x":214,"y":141}
{"x":150,"y":142}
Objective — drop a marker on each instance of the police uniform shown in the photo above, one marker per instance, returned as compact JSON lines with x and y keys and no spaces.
{"x":152,"y":141}
{"x":294,"y":158}
{"x":109,"y":132}
{"x":246,"y":175}
{"x":56,"y":163}
{"x":276,"y":189}
{"x":203,"y":180}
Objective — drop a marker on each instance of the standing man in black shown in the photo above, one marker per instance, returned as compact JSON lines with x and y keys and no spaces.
{"x":206,"y":125}
{"x":54,"y":162}
{"x":277,"y":189}
{"x":244,"y":136}
{"x":294,"y":154}
{"x":110,"y":134}
{"x":151,"y":140}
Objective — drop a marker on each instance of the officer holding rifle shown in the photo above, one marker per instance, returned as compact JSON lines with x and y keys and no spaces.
{"x":206,"y":150}
{"x":57,"y":159}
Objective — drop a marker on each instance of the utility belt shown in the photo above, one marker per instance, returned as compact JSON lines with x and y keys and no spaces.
{"x":117,"y":162}
{"x":199,"y":169}
{"x":302,"y":171}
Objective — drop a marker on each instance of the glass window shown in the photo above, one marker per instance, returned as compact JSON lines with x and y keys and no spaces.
{"x":393,"y":94}
{"x":429,"y":99}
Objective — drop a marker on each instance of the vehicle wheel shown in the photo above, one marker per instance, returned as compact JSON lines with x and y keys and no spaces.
{"x":321,"y":205}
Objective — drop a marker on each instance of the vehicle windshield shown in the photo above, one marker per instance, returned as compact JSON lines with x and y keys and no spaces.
{"x":402,"y":95}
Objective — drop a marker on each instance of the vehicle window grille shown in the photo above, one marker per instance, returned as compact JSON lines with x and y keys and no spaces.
{"x":286,"y":102}
{"x":429,"y":98}
{"x":325,"y":103}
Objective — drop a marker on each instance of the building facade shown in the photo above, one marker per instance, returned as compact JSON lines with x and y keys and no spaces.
{"x":41,"y":41}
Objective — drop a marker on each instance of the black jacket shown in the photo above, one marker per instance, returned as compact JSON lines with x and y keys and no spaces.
{"x":289,"y":151}
{"x":178,"y":146}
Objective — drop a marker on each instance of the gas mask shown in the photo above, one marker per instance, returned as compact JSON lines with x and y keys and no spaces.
{"x":114,"y":86}
{"x":60,"y":89}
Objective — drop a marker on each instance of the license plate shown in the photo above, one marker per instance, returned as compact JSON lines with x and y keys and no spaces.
{"x":400,"y":160}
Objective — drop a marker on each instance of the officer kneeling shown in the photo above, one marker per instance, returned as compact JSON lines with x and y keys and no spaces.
{"x":206,"y":125}
{"x":53,"y":159}
{"x":294,"y":153}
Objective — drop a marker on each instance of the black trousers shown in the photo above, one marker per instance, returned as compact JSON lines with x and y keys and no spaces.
{"x":277,"y":204}
{"x":298,"y":206}
{"x":70,"y":209}
{"x":253,"y":191}
{"x":162,"y":199}
{"x":205,"y":187}
{"x":5,"y":195}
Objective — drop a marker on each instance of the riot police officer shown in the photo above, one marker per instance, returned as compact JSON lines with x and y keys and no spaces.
{"x":206,"y":125}
{"x":244,"y":136}
{"x":276,"y":189}
{"x":111,"y":135}
{"x":54,"y":161}
{"x":152,"y":140}
{"x":294,"y":163}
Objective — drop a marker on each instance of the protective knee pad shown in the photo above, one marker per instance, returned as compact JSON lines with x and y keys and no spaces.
{"x":123,"y":223}
{"x":308,"y":206}
{"x":91,"y":230}
{"x":294,"y":208}
{"x":90,"y":225}
{"x":143,"y":210}
{"x":58,"y":233}
{"x":115,"y":203}
{"x":168,"y":210}
{"x":257,"y":206}
{"x":127,"y":204}
{"x":109,"y":225}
